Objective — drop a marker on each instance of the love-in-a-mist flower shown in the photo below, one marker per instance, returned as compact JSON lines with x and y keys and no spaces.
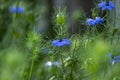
{"x":16,"y":9}
{"x":94,"y":22}
{"x":91,"y":22}
{"x":114,"y":59}
{"x":61,"y":42}
{"x":106,"y":6}
{"x":99,"y":20}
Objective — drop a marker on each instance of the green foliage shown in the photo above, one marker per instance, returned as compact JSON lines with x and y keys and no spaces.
{"x":25,"y":54}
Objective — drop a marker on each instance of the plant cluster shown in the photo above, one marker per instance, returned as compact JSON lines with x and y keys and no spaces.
{"x":94,"y":55}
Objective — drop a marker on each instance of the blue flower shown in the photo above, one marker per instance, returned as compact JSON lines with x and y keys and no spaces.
{"x":61,"y":42}
{"x":18,"y":9}
{"x":12,"y":9}
{"x":111,"y":6}
{"x":114,"y":59}
{"x":104,"y":6}
{"x":91,"y":22}
{"x":99,"y":20}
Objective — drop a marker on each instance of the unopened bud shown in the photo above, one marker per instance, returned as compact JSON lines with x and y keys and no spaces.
{"x":60,"y":19}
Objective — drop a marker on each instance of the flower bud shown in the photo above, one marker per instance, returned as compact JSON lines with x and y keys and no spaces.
{"x":60,"y":19}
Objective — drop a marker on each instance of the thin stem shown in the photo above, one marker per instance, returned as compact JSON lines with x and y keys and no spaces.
{"x":60,"y":32}
{"x":93,"y":31}
{"x":31,"y":67}
{"x":63,"y":68}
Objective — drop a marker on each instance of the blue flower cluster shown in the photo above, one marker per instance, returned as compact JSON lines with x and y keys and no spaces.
{"x":106,"y":6}
{"x":18,"y":9}
{"x":61,"y":42}
{"x":98,"y":20}
{"x":94,"y":22}
{"x":114,"y":59}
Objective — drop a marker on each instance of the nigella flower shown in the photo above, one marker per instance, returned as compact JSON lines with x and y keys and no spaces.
{"x":18,"y":9}
{"x":94,"y":22}
{"x":99,"y":20}
{"x":104,"y":6}
{"x":114,"y":59}
{"x":61,"y":42}
{"x":91,"y":22}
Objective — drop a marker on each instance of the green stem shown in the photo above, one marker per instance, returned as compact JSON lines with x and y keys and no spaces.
{"x":63,"y":68}
{"x":60,"y":32}
{"x":93,"y":31}
{"x":31,"y":67}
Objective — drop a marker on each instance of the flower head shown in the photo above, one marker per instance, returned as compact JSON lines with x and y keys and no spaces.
{"x":61,"y":42}
{"x":94,"y":22}
{"x":91,"y":22}
{"x":99,"y":20}
{"x":104,"y":6}
{"x":111,"y":6}
{"x":114,"y":59}
{"x":18,"y":9}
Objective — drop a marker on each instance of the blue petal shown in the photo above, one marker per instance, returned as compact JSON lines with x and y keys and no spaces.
{"x":117,"y":60}
{"x":90,"y":22}
{"x":20,"y":9}
{"x":12,"y":9}
{"x":111,"y":4}
{"x":99,"y":20}
{"x":59,"y":43}
{"x":55,"y":42}
{"x":110,"y":8}
{"x":104,"y":8}
{"x":102,"y":4}
{"x":117,"y":57}
{"x":66,"y":42}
